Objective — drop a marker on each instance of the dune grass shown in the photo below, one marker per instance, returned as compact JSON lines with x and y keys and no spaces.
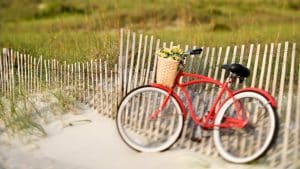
{"x":23,"y":113}
{"x":82,"y":30}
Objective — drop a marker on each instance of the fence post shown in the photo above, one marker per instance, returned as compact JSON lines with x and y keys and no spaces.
{"x":269,"y":67}
{"x":282,"y":79}
{"x":276,"y":69}
{"x":288,"y":111}
{"x":155,"y":61}
{"x":106,"y":88}
{"x":297,"y":121}
{"x":137,"y":66}
{"x":1,"y":73}
{"x":149,"y":60}
{"x":263,"y":66}
{"x":205,"y":61}
{"x":46,"y":73}
{"x":125,"y":83}
{"x":255,"y":66}
{"x":115,"y":90}
{"x":41,"y":73}
{"x":101,"y":85}
{"x":142,"y":77}
{"x":224,"y":62}
{"x":31,"y":74}
{"x":120,"y":69}
{"x":130,"y":77}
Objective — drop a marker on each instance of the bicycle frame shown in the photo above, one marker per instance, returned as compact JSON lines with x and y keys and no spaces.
{"x":208,"y":120}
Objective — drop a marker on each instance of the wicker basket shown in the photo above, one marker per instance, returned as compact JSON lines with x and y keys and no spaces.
{"x":166,"y":71}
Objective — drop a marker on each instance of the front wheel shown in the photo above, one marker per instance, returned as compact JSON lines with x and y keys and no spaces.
{"x":140,"y":132}
{"x":242,"y":145}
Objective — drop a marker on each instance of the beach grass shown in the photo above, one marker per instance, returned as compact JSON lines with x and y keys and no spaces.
{"x":82,"y":30}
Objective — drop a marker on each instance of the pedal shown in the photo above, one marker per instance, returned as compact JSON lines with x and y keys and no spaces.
{"x":197,"y":134}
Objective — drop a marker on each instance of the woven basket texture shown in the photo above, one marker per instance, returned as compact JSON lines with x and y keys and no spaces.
{"x":166,"y":71}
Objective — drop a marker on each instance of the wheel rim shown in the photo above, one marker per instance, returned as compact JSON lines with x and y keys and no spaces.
{"x":136,"y":128}
{"x":232,"y":143}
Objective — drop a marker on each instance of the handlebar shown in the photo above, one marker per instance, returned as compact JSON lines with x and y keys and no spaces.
{"x":193,"y":52}
{"x":189,"y":52}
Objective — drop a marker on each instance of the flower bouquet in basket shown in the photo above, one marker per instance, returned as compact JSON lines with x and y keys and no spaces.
{"x":167,"y":65}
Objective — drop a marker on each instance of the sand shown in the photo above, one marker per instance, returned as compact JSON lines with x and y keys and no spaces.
{"x":91,"y":141}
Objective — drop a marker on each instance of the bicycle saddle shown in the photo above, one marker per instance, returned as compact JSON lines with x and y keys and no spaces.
{"x":238,"y":69}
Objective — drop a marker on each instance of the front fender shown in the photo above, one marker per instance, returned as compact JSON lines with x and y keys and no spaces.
{"x":271,"y":99}
{"x":177,"y":98}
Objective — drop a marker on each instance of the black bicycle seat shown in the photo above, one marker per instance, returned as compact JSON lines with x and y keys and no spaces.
{"x":238,"y":69}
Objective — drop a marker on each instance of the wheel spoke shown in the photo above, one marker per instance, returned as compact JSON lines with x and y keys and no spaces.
{"x":241,"y":145}
{"x":144,"y":133}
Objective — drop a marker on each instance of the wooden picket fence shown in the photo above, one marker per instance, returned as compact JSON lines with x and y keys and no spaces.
{"x":274,"y":68}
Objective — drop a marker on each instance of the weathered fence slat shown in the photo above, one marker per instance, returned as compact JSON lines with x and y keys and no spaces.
{"x":240,"y":62}
{"x":199,"y":61}
{"x":101,"y":86}
{"x":155,"y":61}
{"x":142,"y":77}
{"x":186,"y":121}
{"x":93,"y":86}
{"x":224,"y":62}
{"x":218,"y":66}
{"x":120,"y":64}
{"x":46,"y":73}
{"x":255,"y":66}
{"x":297,"y":121}
{"x":12,"y":82}
{"x":191,"y":60}
{"x":1,"y":73}
{"x":137,"y":66}
{"x":205,"y":61}
{"x":106,"y":88}
{"x":116,"y":92}
{"x":234,"y":54}
{"x":40,"y":73}
{"x":288,"y":110}
{"x":149,"y":61}
{"x":126,"y":64}
{"x":87,"y":81}
{"x":263,"y":66}
{"x":130,"y":77}
{"x":276,"y":69}
{"x":79,"y":91}
{"x":269,"y":67}
{"x":282,"y":79}
{"x":34,"y":75}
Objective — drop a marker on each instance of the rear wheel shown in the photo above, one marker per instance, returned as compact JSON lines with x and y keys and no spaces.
{"x":136,"y":128}
{"x":242,"y":145}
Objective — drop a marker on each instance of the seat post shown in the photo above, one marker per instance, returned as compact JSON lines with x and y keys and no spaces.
{"x":231,"y":77}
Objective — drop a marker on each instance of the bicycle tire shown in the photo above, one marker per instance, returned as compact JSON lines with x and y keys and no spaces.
{"x":142,"y":134}
{"x":231,"y":142}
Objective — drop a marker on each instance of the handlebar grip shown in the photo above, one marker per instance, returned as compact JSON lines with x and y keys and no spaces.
{"x":195,"y":51}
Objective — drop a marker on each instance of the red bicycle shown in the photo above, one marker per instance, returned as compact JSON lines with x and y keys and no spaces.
{"x":151,"y":118}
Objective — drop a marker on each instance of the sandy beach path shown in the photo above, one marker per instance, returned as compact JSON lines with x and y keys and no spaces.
{"x":92,"y":142}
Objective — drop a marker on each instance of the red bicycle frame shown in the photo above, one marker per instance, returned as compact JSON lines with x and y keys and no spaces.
{"x":208,"y":120}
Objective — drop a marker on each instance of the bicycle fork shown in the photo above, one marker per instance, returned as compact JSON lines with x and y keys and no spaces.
{"x":162,"y":106}
{"x":239,"y":121}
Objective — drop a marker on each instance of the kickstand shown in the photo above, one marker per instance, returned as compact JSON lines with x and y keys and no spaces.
{"x":197,"y":133}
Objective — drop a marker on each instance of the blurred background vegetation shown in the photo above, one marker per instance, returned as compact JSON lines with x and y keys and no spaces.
{"x":78,"y":30}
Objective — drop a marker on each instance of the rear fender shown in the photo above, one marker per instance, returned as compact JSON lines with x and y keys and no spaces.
{"x":177,"y":98}
{"x":271,"y":99}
